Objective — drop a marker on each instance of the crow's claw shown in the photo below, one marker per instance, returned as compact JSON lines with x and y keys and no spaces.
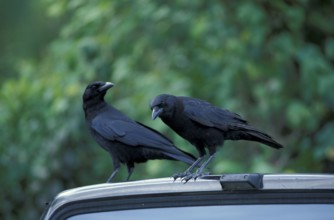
{"x":190,"y":176}
{"x":180,"y":175}
{"x":187,"y":178}
{"x":196,"y":175}
{"x":193,"y":176}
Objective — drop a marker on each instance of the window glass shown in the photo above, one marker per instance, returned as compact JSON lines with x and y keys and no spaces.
{"x":229,"y":212}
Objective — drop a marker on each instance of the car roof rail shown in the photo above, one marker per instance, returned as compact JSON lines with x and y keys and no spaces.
{"x":246,"y":181}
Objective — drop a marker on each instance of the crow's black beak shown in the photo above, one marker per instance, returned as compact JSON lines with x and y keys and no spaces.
{"x":106,"y":86}
{"x":156,"y":112}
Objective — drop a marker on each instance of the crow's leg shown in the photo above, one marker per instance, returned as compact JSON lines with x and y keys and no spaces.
{"x":116,"y":169}
{"x":131,"y":167}
{"x":189,"y":170}
{"x":199,"y":172}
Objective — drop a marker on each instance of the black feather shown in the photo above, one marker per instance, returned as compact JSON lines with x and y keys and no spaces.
{"x":127,"y":141}
{"x":205,"y":125}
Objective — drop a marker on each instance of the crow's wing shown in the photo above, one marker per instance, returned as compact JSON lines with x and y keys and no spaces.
{"x":235,"y":127}
{"x":209,"y":115}
{"x":128,"y":132}
{"x":135,"y":134}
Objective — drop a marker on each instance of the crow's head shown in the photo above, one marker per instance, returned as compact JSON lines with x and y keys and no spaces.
{"x":96,"y":90}
{"x":163,"y":105}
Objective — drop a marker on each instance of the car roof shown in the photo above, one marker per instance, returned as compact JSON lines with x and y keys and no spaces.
{"x":207,"y":183}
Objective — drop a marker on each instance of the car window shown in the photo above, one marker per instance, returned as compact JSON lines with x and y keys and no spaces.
{"x":227,"y":212}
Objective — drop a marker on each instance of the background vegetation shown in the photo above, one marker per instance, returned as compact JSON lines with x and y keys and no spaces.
{"x":270,"y":61}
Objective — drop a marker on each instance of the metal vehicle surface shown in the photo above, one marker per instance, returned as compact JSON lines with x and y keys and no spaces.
{"x":231,"y":196}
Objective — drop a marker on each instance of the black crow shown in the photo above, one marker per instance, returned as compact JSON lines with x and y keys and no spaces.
{"x":127,"y":141}
{"x":204,"y":126}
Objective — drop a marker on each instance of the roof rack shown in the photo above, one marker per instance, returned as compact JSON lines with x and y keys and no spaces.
{"x":255,"y":181}
{"x":248,"y":181}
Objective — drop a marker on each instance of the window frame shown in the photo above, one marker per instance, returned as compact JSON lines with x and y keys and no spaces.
{"x":164,"y":200}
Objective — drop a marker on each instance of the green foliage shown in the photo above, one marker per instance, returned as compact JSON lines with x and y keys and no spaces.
{"x":270,"y":61}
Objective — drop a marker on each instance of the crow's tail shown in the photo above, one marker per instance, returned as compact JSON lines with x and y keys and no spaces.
{"x":181,"y":156}
{"x":247,"y":132}
{"x":167,"y":149}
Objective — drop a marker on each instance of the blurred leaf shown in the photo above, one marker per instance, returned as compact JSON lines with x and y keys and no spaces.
{"x":298,"y":114}
{"x":269,"y":61}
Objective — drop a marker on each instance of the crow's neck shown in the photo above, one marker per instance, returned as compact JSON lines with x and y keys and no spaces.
{"x":93,"y":106}
{"x":176,"y":112}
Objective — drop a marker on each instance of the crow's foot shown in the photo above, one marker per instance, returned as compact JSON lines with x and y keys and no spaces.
{"x":181,"y":175}
{"x":193,"y":176}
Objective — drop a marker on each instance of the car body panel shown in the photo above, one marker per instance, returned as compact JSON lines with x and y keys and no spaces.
{"x":208,"y":185}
